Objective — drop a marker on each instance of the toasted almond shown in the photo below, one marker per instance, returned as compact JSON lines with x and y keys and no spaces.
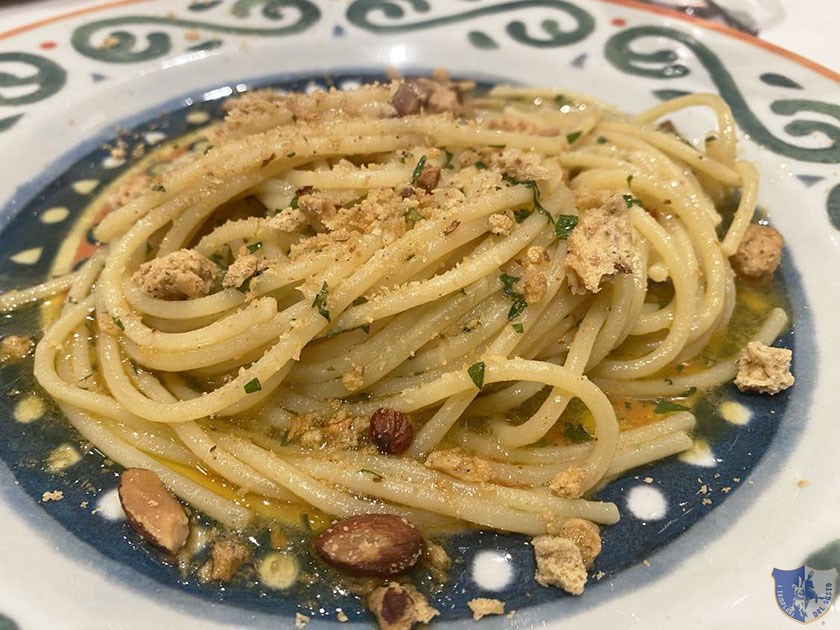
{"x":375,"y":545}
{"x":152,"y":510}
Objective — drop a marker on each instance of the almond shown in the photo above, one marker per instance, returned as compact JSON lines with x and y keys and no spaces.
{"x":391,"y":431}
{"x":370,"y":545}
{"x":152,"y":510}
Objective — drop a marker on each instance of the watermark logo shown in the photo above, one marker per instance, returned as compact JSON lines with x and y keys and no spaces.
{"x":805,"y":594}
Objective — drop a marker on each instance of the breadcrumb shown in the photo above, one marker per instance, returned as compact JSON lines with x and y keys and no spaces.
{"x":14,"y":348}
{"x":586,"y":535}
{"x":455,"y":462}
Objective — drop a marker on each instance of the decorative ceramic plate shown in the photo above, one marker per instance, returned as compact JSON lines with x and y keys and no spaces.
{"x":700,"y":533}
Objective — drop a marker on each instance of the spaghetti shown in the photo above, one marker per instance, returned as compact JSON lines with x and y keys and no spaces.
{"x":507,"y":267}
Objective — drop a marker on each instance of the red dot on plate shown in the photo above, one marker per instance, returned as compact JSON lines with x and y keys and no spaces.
{"x":48,"y":45}
{"x":618,"y":22}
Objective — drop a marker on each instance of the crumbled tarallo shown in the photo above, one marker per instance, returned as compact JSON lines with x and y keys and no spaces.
{"x":759,"y":253}
{"x":501,"y":224}
{"x":354,"y":379}
{"x":182,"y":275}
{"x":559,"y":563}
{"x":484,"y":606}
{"x":601,"y":245}
{"x":399,"y":606}
{"x":764,"y":369}
{"x":568,"y":483}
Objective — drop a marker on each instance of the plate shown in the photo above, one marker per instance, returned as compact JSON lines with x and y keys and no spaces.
{"x":700,"y":544}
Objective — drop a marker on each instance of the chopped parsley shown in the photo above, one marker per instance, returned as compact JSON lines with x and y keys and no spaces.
{"x":629,"y":179}
{"x":119,"y":323}
{"x":535,"y":192}
{"x":601,"y":140}
{"x":666,"y":406}
{"x":245,"y":286}
{"x":360,"y":300}
{"x":560,"y":99}
{"x":518,"y":327}
{"x":253,"y":386}
{"x":663,"y":303}
{"x":376,"y":476}
{"x":307,"y":524}
{"x":689,"y":392}
{"x":159,"y":188}
{"x":365,"y":328}
{"x":320,"y":301}
{"x":564,"y":225}
{"x":480,"y":165}
{"x":448,"y":161}
{"x":476,"y":372}
{"x":253,"y":247}
{"x":421,"y":164}
{"x":518,"y":303}
{"x":631,"y":201}
{"x":576,"y":432}
{"x":571,"y":137}
{"x":521,"y":214}
{"x":207,"y":150}
{"x":291,"y":154}
{"x":293,"y":204}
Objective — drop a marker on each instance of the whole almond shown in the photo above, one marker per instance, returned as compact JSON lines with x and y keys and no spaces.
{"x":370,"y":545}
{"x":152,"y":510}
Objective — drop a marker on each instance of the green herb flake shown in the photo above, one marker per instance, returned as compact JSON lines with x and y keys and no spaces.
{"x":666,"y":406}
{"x":631,"y":201}
{"x":119,"y":323}
{"x":518,"y":300}
{"x":480,"y":165}
{"x":148,"y":247}
{"x":571,"y":137}
{"x":560,"y":99}
{"x":293,"y":204}
{"x":253,"y":247}
{"x":320,"y":301}
{"x":245,"y":286}
{"x":305,"y":522}
{"x":207,"y":150}
{"x":253,"y":386}
{"x":564,"y":225}
{"x":521,"y":214}
{"x":219,"y":260}
{"x":87,"y":376}
{"x":159,"y":188}
{"x":412,"y":217}
{"x":448,"y":161}
{"x":601,"y":140}
{"x":629,"y":180}
{"x":291,"y":154}
{"x":518,"y":327}
{"x":576,"y":432}
{"x":360,"y":300}
{"x":711,"y":138}
{"x":376,"y":476}
{"x":497,"y":146}
{"x":663,"y":303}
{"x":689,"y":392}
{"x":476,"y":372}
{"x":535,"y":192}
{"x":365,"y":328}
{"x":421,"y":164}
{"x":516,"y":308}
